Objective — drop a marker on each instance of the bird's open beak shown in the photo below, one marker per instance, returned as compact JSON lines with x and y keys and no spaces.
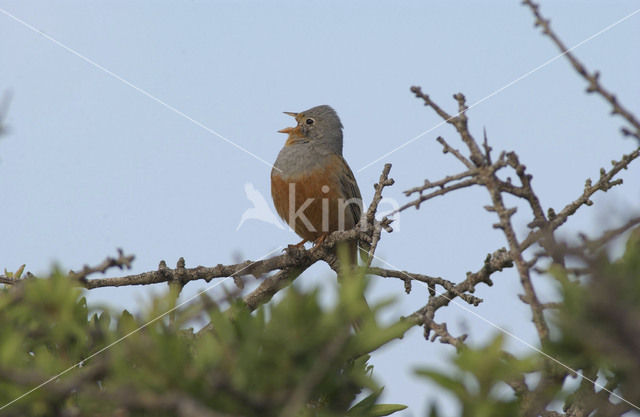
{"x":288,"y":130}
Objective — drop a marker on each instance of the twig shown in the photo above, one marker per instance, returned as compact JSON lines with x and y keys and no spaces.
{"x":442,"y":191}
{"x":122,"y":261}
{"x":431,"y":282}
{"x":271,"y":285}
{"x":591,"y":77}
{"x":383,"y":181}
{"x":494,"y":262}
{"x":440,"y":183}
{"x":604,"y":183}
{"x":369,"y":222}
{"x":459,"y":121}
{"x":593,"y":245}
{"x":290,"y":261}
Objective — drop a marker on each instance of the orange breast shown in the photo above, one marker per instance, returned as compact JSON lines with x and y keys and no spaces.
{"x":311,"y":203}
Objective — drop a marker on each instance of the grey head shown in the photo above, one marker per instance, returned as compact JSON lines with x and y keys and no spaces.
{"x":319,"y":126}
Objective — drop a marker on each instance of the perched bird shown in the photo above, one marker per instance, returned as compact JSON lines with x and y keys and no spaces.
{"x":312,"y":186}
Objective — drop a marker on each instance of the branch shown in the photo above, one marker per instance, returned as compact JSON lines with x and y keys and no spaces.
{"x":122,"y":261}
{"x":483,"y":172}
{"x":369,"y":222}
{"x":369,"y":229}
{"x":293,"y":257}
{"x":287,"y":266}
{"x":184,"y":275}
{"x":442,"y":191}
{"x":480,"y":170}
{"x":441,"y":183}
{"x":459,"y":121}
{"x":431,"y":282}
{"x":593,"y":245}
{"x":494,"y":262}
{"x":591,"y":77}
{"x":604,"y":183}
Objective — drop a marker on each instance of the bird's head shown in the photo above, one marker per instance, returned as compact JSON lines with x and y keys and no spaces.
{"x":320,"y":125}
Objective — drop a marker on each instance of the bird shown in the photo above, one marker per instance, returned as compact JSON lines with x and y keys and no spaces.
{"x":313,"y":188}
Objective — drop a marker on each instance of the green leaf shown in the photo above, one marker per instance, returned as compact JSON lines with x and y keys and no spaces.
{"x":379,"y":410}
{"x":371,"y":338}
{"x":19,"y":272}
{"x":445,"y":381}
{"x":366,"y":404}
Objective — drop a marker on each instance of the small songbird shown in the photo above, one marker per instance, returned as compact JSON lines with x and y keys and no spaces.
{"x":312,"y":186}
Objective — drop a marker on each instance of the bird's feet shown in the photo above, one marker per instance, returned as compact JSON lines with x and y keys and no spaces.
{"x":298,"y":246}
{"x":320,"y":240}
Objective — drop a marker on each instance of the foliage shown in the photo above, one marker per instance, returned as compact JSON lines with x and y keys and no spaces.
{"x":480,"y":375}
{"x":597,"y":335}
{"x":599,"y":323}
{"x":293,"y":357}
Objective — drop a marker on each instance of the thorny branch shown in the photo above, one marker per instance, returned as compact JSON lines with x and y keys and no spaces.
{"x":481,"y":170}
{"x":494,"y":262}
{"x":286,"y":266}
{"x":593,"y":245}
{"x":484,"y":174}
{"x":369,"y":219}
{"x":122,"y":261}
{"x":592,"y":77}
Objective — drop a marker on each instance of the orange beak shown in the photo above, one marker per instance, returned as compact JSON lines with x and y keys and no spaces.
{"x":288,"y":130}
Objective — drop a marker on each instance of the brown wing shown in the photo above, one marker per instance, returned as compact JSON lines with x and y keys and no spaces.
{"x":349,"y":189}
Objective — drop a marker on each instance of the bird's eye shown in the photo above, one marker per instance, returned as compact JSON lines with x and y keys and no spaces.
{"x":309,"y":121}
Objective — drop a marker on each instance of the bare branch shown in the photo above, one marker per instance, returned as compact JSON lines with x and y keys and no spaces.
{"x":592,"y":78}
{"x":442,"y":191}
{"x":494,"y":262}
{"x":593,"y":245}
{"x":122,"y":261}
{"x":431,"y":282}
{"x":369,"y":222}
{"x":459,"y":121}
{"x":290,"y":264}
{"x":604,"y":183}
{"x":449,"y":149}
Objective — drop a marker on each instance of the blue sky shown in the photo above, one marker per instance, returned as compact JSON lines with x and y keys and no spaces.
{"x":92,"y":164}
